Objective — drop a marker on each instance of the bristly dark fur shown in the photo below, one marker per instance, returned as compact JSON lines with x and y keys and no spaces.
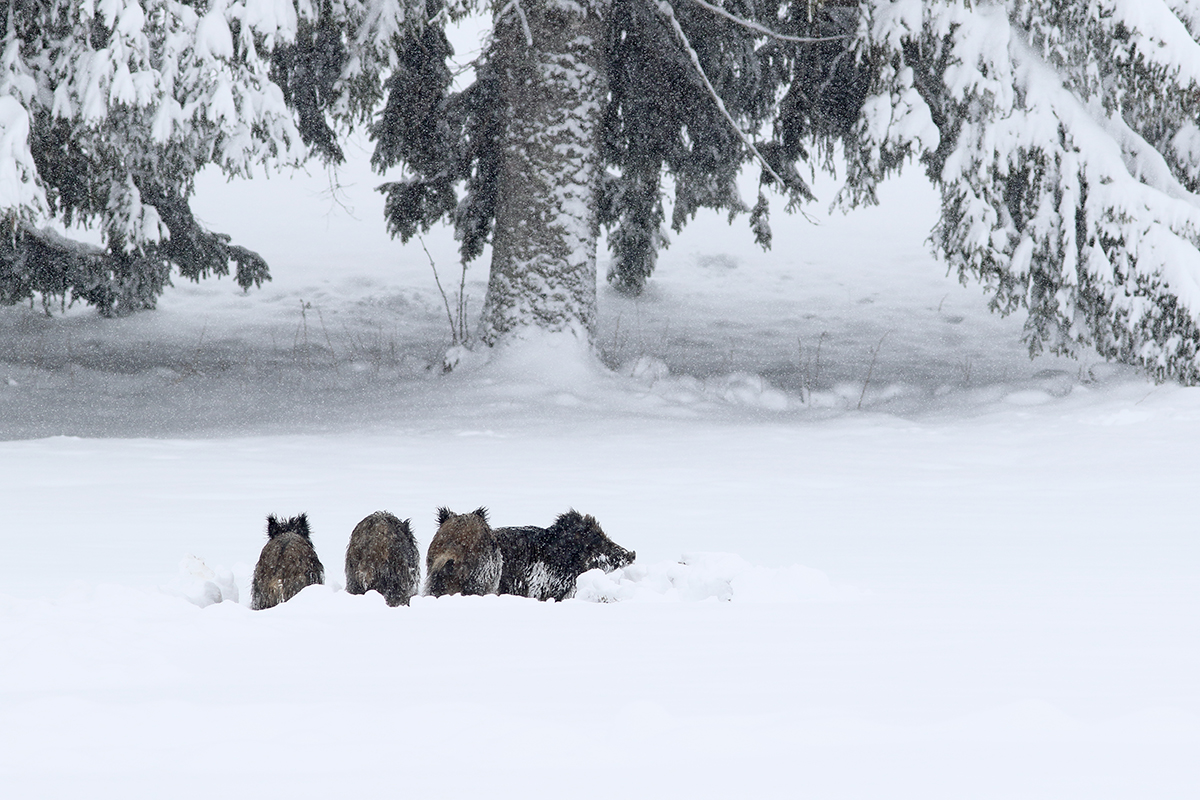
{"x":464,"y":556}
{"x":444,"y":514}
{"x":287,"y":564}
{"x":382,"y":555}
{"x":545,"y":562}
{"x":294,"y":525}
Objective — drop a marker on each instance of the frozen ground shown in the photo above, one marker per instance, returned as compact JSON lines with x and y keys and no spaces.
{"x":959,"y":573}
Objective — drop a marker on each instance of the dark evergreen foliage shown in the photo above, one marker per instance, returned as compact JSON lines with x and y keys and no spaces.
{"x":660,"y":120}
{"x":307,"y":72}
{"x":122,"y":157}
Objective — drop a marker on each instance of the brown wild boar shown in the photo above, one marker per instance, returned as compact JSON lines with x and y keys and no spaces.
{"x":287,"y":564}
{"x":382,"y":555}
{"x":464,"y":556}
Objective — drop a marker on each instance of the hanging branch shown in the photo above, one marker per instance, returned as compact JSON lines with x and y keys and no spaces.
{"x":515,"y":5}
{"x":665,"y":9}
{"x":765,"y":31}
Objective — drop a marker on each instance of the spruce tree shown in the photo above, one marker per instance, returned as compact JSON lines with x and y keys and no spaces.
{"x":108,"y":110}
{"x":578,"y":111}
{"x":1062,"y":136}
{"x":1065,"y":143}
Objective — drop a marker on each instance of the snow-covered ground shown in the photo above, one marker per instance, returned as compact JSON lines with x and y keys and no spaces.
{"x":881,"y":553}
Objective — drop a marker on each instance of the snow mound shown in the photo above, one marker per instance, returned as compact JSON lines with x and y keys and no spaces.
{"x":548,"y":359}
{"x":735,"y":389}
{"x":203,"y":585}
{"x":711,"y":576}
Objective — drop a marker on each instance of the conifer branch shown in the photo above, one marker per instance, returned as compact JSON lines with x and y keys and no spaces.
{"x":764,"y":30}
{"x":515,"y":5}
{"x":665,"y":9}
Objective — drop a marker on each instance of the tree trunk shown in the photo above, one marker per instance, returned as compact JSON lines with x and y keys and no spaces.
{"x":543,"y":275}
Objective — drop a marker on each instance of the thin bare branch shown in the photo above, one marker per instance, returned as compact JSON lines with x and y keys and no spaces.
{"x":665,"y":9}
{"x":871,"y":369}
{"x":438,"y":281}
{"x":765,"y":31}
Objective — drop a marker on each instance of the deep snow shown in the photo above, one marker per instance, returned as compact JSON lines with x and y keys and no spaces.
{"x":983,"y":583}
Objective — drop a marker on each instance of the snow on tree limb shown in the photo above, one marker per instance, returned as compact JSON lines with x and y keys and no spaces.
{"x":20,"y":193}
{"x":1066,"y":186}
{"x":129,"y":99}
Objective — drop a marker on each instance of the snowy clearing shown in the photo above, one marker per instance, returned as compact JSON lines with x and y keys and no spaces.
{"x":984,"y":583}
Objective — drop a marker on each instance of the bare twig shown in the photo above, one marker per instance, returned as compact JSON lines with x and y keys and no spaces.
{"x":871,"y":369}
{"x":765,"y":31}
{"x":303,"y":324}
{"x":805,"y":391}
{"x":462,"y":303}
{"x":328,"y":341}
{"x":445,"y":300}
{"x":302,"y":327}
{"x":336,"y":192}
{"x":809,"y":372}
{"x":817,"y":366}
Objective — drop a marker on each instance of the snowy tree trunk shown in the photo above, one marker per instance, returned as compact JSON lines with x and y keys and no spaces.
{"x":543,"y":275}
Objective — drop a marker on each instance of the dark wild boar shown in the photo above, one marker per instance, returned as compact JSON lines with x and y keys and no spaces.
{"x":544,"y":562}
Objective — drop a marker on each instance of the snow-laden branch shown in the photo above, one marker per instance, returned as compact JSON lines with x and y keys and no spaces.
{"x":764,"y":30}
{"x":1159,"y":36}
{"x":20,"y":191}
{"x":1051,"y":192}
{"x":665,"y":9}
{"x":1144,"y":162}
{"x":1131,"y":193}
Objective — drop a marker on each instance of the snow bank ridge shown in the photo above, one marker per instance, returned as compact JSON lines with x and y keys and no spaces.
{"x":735,"y":388}
{"x":695,"y":577}
{"x":711,"y":576}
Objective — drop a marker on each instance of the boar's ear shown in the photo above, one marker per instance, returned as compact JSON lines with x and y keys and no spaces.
{"x":300,"y":525}
{"x":481,"y":512}
{"x":443,"y":515}
{"x":273,"y":528}
{"x":406,"y":525}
